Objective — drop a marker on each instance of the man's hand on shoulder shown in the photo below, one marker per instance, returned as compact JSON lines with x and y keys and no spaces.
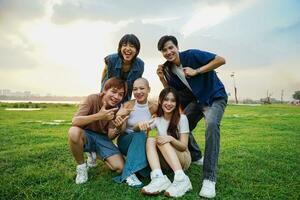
{"x":160,"y":71}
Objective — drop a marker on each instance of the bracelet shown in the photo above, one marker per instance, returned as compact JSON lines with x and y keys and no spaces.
{"x":117,"y":131}
{"x":198,"y":70}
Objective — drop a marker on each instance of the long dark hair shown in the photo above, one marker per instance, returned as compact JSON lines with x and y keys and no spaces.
{"x":173,"y":126}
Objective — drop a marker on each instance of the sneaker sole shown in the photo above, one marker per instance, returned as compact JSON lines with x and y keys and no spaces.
{"x":149,"y":193}
{"x":189,"y":189}
{"x":154,"y":193}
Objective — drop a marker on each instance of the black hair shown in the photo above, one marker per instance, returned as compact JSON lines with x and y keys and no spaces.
{"x":132,"y":39}
{"x":165,"y":39}
{"x":173,"y":126}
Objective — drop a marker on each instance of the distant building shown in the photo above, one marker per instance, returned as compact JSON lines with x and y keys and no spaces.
{"x":6,"y":92}
{"x":27,"y":93}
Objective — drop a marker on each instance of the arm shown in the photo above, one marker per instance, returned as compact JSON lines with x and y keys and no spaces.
{"x":81,"y":121}
{"x":161,"y":75}
{"x":103,"y":114}
{"x":112,"y":133}
{"x":104,"y":72}
{"x":214,"y":64}
{"x":182,"y":143}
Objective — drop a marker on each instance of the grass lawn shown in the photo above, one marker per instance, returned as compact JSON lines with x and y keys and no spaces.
{"x":259,"y":157}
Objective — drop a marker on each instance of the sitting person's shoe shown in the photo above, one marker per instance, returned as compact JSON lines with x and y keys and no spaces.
{"x":133,"y":181}
{"x":199,"y":162}
{"x":157,"y":185}
{"x":208,"y":189}
{"x":82,"y":173}
{"x":91,"y":159}
{"x":179,"y":187}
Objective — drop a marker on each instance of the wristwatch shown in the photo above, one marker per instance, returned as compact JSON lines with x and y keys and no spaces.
{"x":117,"y":131}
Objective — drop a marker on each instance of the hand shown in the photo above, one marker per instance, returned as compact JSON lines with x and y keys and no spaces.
{"x":124,"y":111}
{"x":118,"y":122}
{"x":106,"y":115}
{"x":164,"y":139}
{"x":145,"y":126}
{"x":189,"y":72}
{"x":160,"y":71}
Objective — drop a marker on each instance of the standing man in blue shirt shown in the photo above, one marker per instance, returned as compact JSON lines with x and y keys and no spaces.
{"x":192,"y":74}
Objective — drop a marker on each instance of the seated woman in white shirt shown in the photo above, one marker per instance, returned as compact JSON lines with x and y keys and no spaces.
{"x":169,"y":148}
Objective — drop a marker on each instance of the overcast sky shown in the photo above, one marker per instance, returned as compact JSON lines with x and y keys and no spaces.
{"x":57,"y":47}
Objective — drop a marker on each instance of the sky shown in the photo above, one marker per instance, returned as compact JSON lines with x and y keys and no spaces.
{"x":57,"y":46}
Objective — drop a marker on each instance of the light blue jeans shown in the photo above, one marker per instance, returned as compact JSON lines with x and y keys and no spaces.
{"x":133,"y":146}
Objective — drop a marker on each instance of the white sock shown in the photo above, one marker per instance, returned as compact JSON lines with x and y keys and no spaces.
{"x":179,"y":172}
{"x":83,"y":165}
{"x":156,"y":173}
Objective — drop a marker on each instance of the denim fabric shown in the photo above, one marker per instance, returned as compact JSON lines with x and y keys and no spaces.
{"x":114,"y":68}
{"x":99,"y":143}
{"x":133,"y":146}
{"x":213,"y":115}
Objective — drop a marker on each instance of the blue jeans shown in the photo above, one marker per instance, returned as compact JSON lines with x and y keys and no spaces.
{"x":100,"y":143}
{"x":213,"y":115}
{"x":133,"y":146}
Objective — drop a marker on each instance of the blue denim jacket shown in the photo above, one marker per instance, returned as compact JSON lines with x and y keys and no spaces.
{"x":206,"y":87}
{"x":114,"y":68}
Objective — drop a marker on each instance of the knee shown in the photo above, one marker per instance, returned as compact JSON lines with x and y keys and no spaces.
{"x":75,"y":134}
{"x":139,"y":138}
{"x":163,"y":146}
{"x":117,"y":166}
{"x":212,"y":124}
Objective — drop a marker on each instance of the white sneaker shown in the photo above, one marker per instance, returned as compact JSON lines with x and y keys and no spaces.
{"x":91,"y":159}
{"x":157,"y":185}
{"x":179,"y":187}
{"x":82,"y":173}
{"x":199,"y":162}
{"x":133,"y":181}
{"x":208,"y":189}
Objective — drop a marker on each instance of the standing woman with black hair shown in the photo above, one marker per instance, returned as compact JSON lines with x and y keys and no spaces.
{"x":125,"y":64}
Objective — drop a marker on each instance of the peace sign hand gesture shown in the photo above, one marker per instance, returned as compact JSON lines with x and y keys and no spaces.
{"x":106,"y":114}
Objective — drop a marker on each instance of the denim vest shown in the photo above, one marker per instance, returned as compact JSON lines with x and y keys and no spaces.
{"x":206,"y":87}
{"x":114,"y":69}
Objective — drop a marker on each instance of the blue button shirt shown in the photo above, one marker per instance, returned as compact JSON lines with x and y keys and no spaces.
{"x":206,"y":87}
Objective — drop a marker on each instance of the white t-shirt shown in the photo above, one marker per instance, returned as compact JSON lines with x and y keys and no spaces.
{"x":141,"y":113}
{"x":179,"y":72}
{"x":162,"y":125}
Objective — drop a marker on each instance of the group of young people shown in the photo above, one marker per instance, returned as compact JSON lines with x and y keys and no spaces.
{"x":191,"y":91}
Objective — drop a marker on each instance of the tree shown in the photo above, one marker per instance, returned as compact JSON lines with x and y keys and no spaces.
{"x":296,"y":95}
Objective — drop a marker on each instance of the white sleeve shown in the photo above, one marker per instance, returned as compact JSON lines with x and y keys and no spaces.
{"x":183,"y":124}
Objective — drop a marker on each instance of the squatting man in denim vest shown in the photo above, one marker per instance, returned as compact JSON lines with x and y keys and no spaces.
{"x":202,"y":94}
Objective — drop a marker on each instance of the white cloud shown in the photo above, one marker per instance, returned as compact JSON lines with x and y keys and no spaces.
{"x":158,"y":20}
{"x":206,"y":17}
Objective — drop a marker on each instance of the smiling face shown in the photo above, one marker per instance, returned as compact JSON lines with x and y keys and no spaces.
{"x":170,"y":52}
{"x":140,"y":91}
{"x":128,"y":52}
{"x":113,"y":96}
{"x":169,"y":103}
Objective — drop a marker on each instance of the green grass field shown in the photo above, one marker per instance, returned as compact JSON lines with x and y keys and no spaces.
{"x":259,"y":157}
